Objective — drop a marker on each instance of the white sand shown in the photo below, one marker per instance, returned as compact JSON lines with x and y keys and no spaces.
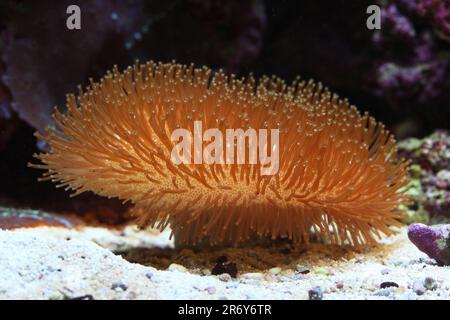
{"x":57,"y":263}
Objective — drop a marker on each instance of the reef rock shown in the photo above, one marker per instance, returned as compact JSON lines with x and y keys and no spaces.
{"x":433,"y":240}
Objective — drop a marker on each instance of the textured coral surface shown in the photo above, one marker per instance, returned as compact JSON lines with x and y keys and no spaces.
{"x":338,"y":173}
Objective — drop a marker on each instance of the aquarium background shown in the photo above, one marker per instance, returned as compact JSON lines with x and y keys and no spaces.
{"x":400,"y":73}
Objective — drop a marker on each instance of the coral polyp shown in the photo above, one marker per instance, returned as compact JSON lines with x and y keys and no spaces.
{"x":338,"y":176}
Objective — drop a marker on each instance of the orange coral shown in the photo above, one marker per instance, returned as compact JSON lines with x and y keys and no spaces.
{"x":338,"y":174}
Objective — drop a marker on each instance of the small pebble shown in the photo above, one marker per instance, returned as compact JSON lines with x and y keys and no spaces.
{"x":230,"y":268}
{"x":225,"y":277}
{"x":176,"y":267}
{"x":119,"y":285}
{"x":315,"y":293}
{"x":430,"y":283}
{"x":419,"y":288}
{"x":339,"y":284}
{"x":205,"y":272}
{"x":302,"y":269}
{"x":149,"y":275}
{"x":388,"y":284}
{"x":86,"y":297}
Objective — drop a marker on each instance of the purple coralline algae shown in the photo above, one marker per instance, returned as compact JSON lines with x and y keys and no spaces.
{"x":438,"y":11}
{"x":430,"y":173}
{"x":411,"y":67}
{"x":432,"y":240}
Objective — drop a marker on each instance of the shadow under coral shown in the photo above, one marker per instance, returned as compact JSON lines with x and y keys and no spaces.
{"x":251,"y":257}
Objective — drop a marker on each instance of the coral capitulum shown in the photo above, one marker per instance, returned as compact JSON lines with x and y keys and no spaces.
{"x":216,"y":152}
{"x":338,"y":175}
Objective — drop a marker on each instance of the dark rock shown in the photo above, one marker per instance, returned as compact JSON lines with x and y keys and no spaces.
{"x":430,"y":284}
{"x":85,"y":297}
{"x":119,"y":285}
{"x":149,"y":275}
{"x":388,"y":284}
{"x":315,"y":293}
{"x":230,"y":268}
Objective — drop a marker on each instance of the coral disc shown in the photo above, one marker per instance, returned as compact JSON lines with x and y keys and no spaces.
{"x":338,"y":174}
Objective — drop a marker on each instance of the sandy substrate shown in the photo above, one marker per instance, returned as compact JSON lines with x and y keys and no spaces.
{"x":58,"y":263}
